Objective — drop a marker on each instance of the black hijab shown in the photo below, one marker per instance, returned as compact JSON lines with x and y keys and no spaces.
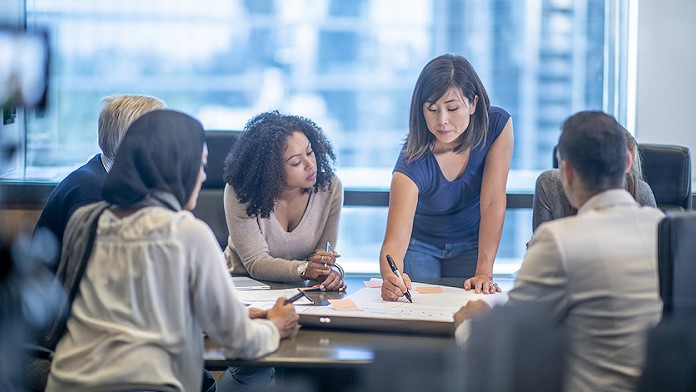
{"x":159,"y":158}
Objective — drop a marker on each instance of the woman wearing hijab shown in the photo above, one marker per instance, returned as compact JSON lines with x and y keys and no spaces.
{"x":155,"y":279}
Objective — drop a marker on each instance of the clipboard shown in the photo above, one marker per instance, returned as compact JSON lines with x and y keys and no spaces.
{"x":247,"y":283}
{"x":375,"y":324}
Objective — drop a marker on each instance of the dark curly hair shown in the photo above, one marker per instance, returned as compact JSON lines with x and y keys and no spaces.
{"x":255,"y":166}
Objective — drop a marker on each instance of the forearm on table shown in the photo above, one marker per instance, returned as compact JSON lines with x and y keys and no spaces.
{"x":490,"y":231}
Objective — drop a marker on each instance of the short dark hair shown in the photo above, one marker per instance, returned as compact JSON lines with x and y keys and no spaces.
{"x":255,"y":167}
{"x":593,"y":142}
{"x":438,"y":76}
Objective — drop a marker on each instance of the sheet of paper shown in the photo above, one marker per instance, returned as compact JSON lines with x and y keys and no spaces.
{"x":430,"y":306}
{"x":373,"y":282}
{"x":264,"y":299}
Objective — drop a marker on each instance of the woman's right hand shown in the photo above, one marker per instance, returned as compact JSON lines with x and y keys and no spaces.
{"x":284,"y":317}
{"x":393,"y":287}
{"x":320,"y":263}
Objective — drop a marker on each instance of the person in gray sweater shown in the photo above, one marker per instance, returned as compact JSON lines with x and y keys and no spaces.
{"x":283,"y":202}
{"x":282,"y":206}
{"x":550,"y":202}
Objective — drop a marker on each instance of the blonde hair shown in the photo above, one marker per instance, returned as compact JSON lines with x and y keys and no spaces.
{"x":117,"y":114}
{"x":635,"y":172}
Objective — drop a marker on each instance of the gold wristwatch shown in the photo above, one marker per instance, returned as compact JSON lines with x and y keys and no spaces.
{"x":302,"y":270}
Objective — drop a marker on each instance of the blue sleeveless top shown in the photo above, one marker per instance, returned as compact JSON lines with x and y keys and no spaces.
{"x":449,"y":211}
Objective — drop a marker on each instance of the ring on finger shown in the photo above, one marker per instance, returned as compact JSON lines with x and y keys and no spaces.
{"x":322,"y":260}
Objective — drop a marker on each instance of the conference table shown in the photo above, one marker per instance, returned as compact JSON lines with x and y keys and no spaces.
{"x":333,"y":356}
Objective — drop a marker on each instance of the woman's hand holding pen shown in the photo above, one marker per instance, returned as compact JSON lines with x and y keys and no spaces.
{"x":284,"y":317}
{"x":320,"y":263}
{"x":255,"y":313}
{"x":322,"y":269}
{"x":394,"y":287}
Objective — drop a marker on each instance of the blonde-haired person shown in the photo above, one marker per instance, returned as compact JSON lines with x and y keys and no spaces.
{"x":551,"y":202}
{"x":83,"y":186}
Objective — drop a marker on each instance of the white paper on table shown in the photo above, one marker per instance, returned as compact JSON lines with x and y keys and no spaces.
{"x":434,"y":307}
{"x":265,"y":299}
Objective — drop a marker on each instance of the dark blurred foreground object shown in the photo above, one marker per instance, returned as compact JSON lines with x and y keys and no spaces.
{"x":671,"y":354}
{"x":410,"y":369}
{"x":515,"y":348}
{"x":28,"y":299}
{"x":23,"y":68}
{"x":676,"y":262}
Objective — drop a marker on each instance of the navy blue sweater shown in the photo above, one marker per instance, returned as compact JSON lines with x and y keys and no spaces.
{"x":79,"y":188}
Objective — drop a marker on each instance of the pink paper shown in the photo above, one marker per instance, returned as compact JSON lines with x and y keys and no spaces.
{"x":343,"y":304}
{"x":430,"y":289}
{"x":373,"y":282}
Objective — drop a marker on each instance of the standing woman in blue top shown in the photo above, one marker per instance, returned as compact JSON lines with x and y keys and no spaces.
{"x":447,"y":198}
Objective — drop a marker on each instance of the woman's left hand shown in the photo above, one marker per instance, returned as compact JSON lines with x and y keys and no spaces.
{"x":331,"y":282}
{"x":482,"y":283}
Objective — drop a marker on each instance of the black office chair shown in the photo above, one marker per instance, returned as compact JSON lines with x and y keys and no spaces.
{"x":210,"y":207}
{"x":220,"y":144}
{"x":515,"y":348}
{"x":667,"y":169}
{"x":671,"y":356}
{"x":676,"y":262}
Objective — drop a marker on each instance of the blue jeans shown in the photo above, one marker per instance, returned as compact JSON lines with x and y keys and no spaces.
{"x":245,"y":378}
{"x":457,"y":260}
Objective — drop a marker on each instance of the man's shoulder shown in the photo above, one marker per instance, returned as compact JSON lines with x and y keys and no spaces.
{"x":601,"y":224}
{"x":91,"y":173}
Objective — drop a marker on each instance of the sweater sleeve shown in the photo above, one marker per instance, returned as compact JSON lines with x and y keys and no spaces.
{"x":644,"y":195}
{"x":215,"y":303}
{"x":250,"y":246}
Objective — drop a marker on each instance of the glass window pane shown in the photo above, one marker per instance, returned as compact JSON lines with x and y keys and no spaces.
{"x":350,"y":66}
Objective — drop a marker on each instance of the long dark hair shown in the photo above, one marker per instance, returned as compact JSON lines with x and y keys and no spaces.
{"x":438,"y":76}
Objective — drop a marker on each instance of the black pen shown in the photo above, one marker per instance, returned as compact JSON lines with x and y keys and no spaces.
{"x":392,"y":265}
{"x":294,"y":297}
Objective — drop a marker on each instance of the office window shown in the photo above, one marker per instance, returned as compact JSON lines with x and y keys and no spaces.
{"x":348,"y":65}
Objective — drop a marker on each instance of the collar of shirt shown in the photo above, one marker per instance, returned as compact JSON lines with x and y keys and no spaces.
{"x":107,"y":162}
{"x":608,"y":199}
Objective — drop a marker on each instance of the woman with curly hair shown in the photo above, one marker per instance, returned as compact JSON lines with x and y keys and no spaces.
{"x":282,"y":202}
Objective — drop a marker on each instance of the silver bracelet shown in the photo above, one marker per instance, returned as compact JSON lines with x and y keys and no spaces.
{"x":340,"y":269}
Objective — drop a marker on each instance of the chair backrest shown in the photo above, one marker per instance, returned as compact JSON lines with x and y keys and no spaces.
{"x":667,"y":169}
{"x":210,"y":207}
{"x":671,"y":355}
{"x":676,"y":261}
{"x":219,"y":145}
{"x":518,"y":347}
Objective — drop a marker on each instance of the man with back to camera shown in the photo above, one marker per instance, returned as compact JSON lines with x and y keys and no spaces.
{"x":597,"y":271}
{"x":83,"y":186}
